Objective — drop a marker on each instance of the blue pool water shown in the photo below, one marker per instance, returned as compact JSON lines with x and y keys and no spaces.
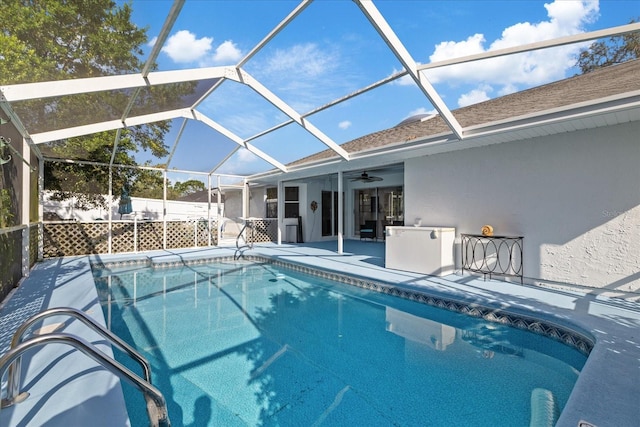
{"x":240,"y":344}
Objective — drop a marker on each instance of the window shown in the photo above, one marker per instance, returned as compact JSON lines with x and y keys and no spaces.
{"x":272,"y":202}
{"x":291,"y":202}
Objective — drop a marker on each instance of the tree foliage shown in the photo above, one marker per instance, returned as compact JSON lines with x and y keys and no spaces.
{"x":188,"y":187}
{"x":611,"y":51}
{"x":48,"y":40}
{"x":65,"y":39}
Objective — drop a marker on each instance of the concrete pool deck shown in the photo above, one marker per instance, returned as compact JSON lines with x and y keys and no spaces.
{"x":72,"y":390}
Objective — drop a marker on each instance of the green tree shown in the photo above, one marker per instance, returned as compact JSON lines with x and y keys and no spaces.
{"x":611,"y":51}
{"x":88,"y":183}
{"x":188,"y":187}
{"x":149,"y":184}
{"x":61,"y":39}
{"x":45,"y":40}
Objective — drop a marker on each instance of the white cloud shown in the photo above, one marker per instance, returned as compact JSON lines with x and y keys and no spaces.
{"x":227,"y":52}
{"x":152,"y":42}
{"x":302,"y":60}
{"x":246,"y":156}
{"x":345,"y":124}
{"x":305,"y":75}
{"x":184,"y":47}
{"x":248,"y":123}
{"x":507,"y":89}
{"x":473,"y":97}
{"x":451,"y":49}
{"x":405,"y":80}
{"x":242,"y":160}
{"x":513,"y":72}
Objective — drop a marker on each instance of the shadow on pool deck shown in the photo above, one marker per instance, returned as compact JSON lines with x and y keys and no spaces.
{"x":371,"y":252}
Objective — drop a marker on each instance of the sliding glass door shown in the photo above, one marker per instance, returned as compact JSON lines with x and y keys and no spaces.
{"x":330,"y":213}
{"x":378,"y":207}
{"x":391,"y":205}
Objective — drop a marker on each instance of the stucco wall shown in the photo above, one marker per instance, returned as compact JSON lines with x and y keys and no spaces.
{"x":575,"y":197}
{"x":312,"y":222}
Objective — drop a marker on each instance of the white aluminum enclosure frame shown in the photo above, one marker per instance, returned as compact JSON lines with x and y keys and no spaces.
{"x":236,"y":73}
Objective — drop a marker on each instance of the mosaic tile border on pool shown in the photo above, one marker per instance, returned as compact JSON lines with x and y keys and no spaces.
{"x":557,"y":332}
{"x":148,"y":262}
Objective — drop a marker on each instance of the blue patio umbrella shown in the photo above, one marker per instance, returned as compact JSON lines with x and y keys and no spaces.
{"x":124,"y":206}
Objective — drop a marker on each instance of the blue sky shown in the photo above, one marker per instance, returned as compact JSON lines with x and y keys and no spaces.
{"x":331,"y":50}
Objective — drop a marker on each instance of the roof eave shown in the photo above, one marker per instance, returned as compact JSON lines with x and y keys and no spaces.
{"x":477,"y":135}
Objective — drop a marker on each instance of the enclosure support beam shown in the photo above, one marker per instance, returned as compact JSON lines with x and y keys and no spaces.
{"x":280,"y":210}
{"x":40,"y":209}
{"x":164,"y":209}
{"x":382,"y":27}
{"x":209,"y":209}
{"x":219,"y":213}
{"x":110,"y":198}
{"x":235,"y":138}
{"x":26,"y":205}
{"x":340,"y":215}
{"x":247,"y":79}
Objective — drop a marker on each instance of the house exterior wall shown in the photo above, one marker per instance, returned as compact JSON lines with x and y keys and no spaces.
{"x":312,"y":191}
{"x":257,"y":202}
{"x":575,"y":197}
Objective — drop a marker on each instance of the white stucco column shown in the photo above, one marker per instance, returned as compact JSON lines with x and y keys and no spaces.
{"x":110,"y":202}
{"x":26,"y":204}
{"x":340,"y":215}
{"x":245,"y":199}
{"x":164,"y":209}
{"x":209,"y":209}
{"x":245,"y":206}
{"x":41,"y":209}
{"x":218,"y":209}
{"x":280,"y":210}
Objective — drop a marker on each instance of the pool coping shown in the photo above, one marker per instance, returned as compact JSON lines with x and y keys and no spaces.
{"x":603,"y":393}
{"x":571,"y":336}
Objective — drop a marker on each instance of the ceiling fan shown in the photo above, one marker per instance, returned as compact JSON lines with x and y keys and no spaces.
{"x":365,"y":177}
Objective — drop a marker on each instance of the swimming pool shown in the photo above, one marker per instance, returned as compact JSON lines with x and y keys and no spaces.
{"x":238,"y":343}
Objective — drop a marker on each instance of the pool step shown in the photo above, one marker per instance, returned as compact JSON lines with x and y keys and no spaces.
{"x":544,"y":412}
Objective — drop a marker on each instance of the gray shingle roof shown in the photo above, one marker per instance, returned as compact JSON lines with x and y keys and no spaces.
{"x":201,"y":196}
{"x":595,"y":85}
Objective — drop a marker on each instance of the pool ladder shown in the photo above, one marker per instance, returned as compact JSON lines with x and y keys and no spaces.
{"x":247,"y":244}
{"x":156,"y":404}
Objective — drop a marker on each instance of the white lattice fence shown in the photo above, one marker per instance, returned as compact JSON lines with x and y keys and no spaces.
{"x":82,"y":238}
{"x":75,"y":238}
{"x":33,"y":244}
{"x":122,"y":237}
{"x":265,"y":230}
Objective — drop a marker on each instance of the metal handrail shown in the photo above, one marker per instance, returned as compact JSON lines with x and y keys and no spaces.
{"x":248,"y":244}
{"x":248,"y":223}
{"x":156,"y":404}
{"x":13,"y":382}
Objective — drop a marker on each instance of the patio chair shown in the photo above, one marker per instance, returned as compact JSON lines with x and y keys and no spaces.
{"x":368,"y":230}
